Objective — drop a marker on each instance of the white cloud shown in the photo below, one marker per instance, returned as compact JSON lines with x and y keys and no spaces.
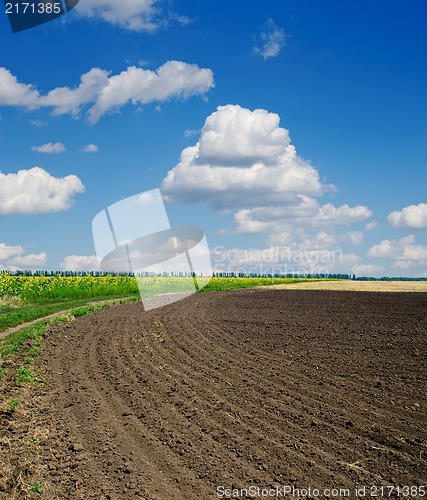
{"x":28,"y":262}
{"x":406,"y":254}
{"x":342,"y":215}
{"x":38,"y":123}
{"x":414,"y":253}
{"x":321,"y":239}
{"x":13,"y":258}
{"x":418,"y":266}
{"x":36,"y":191}
{"x":354,"y":237}
{"x":299,"y":239}
{"x":175,"y":79}
{"x":7,"y":251}
{"x":303,"y":213}
{"x":91,"y":148}
{"x":13,"y":93}
{"x":371,"y":225}
{"x":272,"y":38}
{"x":65,"y":100}
{"x":245,"y":162}
{"x":62,"y":99}
{"x":191,"y":132}
{"x":367,"y":269}
{"x":389,"y":249}
{"x":50,"y":148}
{"x":402,"y":264}
{"x":80,"y":263}
{"x":172,"y":80}
{"x":134,"y":15}
{"x":413,"y":217}
{"x":278,"y":219}
{"x":148,"y":198}
{"x":243,"y":158}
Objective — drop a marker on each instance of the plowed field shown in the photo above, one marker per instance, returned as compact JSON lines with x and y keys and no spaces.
{"x":271,"y":388}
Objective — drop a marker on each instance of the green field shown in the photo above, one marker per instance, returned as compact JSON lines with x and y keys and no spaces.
{"x":26,"y":298}
{"x":224,"y":284}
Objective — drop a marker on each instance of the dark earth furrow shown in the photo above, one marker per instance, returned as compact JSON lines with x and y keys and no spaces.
{"x":274,"y":419}
{"x":264,"y":388}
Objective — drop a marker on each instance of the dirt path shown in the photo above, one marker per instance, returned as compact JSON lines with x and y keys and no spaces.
{"x":247,"y":388}
{"x":14,"y":329}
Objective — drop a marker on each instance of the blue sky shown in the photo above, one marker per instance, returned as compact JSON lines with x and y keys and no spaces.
{"x":305,"y":123}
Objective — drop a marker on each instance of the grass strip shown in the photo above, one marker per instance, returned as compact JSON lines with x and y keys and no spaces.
{"x":14,"y":316}
{"x":226,"y":284}
{"x":34,"y":333}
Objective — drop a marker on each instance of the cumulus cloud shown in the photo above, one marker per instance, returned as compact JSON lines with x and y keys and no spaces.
{"x":28,"y":262}
{"x":354,"y":237}
{"x":389,"y":249}
{"x":307,"y":213}
{"x":65,"y":100}
{"x":417,"y":266}
{"x":13,"y":93}
{"x":367,"y":269}
{"x":12,"y":258}
{"x":371,"y":225}
{"x":91,"y":148}
{"x":133,"y":15}
{"x":272,"y":40}
{"x":242,"y":157}
{"x":106,"y":92}
{"x":80,"y":263}
{"x":7,"y":251}
{"x":245,"y":162}
{"x":175,"y":79}
{"x":38,"y":123}
{"x":343,"y":215}
{"x":301,"y":240}
{"x":50,"y":148}
{"x":35,"y":191}
{"x":407,"y":255}
{"x":414,"y":253}
{"x":413,"y":217}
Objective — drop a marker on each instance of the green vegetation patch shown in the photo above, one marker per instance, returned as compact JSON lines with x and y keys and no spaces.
{"x":224,"y":284}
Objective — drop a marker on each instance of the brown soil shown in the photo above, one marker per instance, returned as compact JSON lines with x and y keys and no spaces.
{"x":247,"y":388}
